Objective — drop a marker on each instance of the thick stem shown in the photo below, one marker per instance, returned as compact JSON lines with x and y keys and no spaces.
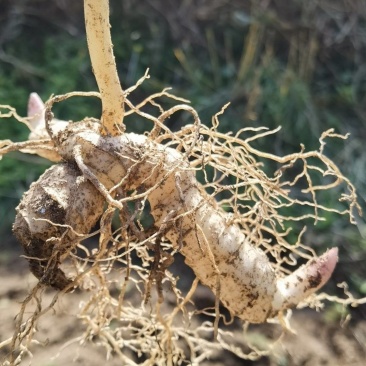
{"x":104,"y":65}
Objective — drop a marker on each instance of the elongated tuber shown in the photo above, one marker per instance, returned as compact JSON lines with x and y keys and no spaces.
{"x":72,"y":195}
{"x":214,"y":248}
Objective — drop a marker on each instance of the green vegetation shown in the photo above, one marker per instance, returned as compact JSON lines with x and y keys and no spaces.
{"x":295,"y":64}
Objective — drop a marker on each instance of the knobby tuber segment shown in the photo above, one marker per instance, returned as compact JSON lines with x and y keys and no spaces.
{"x":58,"y":210}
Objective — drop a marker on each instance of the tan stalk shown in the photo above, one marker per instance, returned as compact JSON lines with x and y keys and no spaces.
{"x":104,"y":65}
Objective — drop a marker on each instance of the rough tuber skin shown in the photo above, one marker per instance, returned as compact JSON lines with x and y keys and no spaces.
{"x":51,"y":215}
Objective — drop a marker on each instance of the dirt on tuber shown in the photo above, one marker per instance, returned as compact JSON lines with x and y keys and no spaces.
{"x":59,"y":209}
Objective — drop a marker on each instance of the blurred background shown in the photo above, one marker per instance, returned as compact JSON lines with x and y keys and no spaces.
{"x":291,"y":63}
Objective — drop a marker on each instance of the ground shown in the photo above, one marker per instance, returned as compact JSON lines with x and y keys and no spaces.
{"x":317,"y":342}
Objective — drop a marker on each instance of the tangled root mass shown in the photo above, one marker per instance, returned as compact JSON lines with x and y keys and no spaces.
{"x":230,"y":228}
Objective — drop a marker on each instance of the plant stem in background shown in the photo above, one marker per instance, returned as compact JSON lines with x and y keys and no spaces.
{"x":104,"y":65}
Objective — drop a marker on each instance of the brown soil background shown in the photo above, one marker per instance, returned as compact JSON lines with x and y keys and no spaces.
{"x":317,"y":342}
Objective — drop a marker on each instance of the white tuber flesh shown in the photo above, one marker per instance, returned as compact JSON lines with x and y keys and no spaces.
{"x":216,"y":249}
